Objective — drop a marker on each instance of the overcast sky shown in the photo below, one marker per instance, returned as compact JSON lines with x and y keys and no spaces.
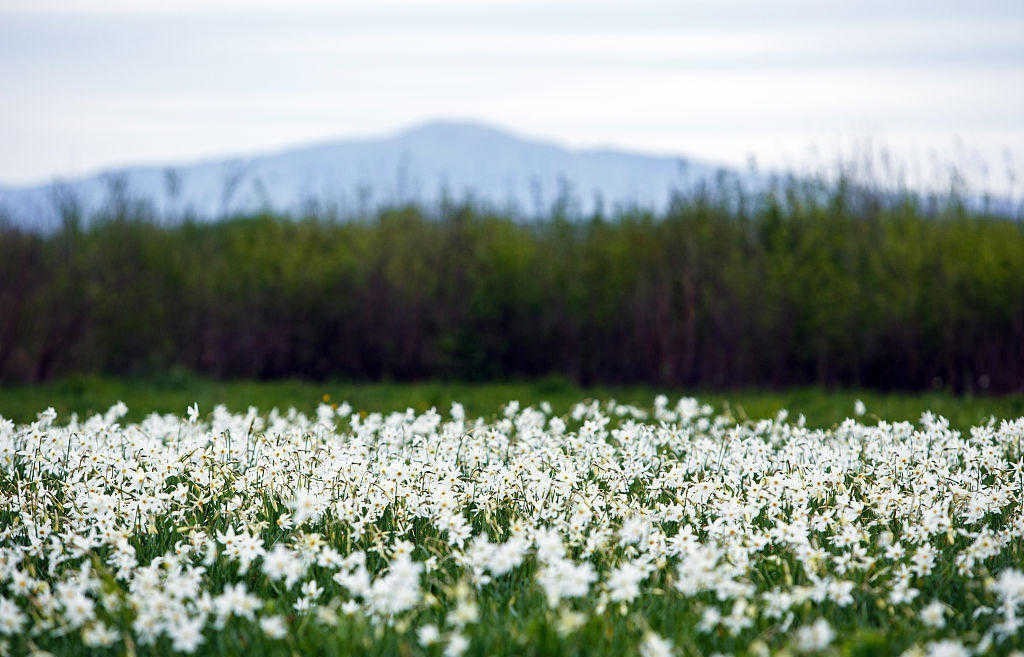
{"x":86,"y":84}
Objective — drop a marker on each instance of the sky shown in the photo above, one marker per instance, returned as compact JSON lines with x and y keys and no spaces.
{"x":87,"y":84}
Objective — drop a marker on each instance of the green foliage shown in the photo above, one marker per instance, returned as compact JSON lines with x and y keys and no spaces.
{"x":795,"y":290}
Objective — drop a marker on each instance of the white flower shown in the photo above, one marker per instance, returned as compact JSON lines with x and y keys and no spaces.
{"x":457,"y":644}
{"x":946,"y":648}
{"x":78,"y":609}
{"x":428,"y":635}
{"x":242,"y":546}
{"x":815,"y":637}
{"x":399,"y":589}
{"x":311,"y":590}
{"x":564,"y":579}
{"x":98,"y":635}
{"x":1010,"y":587}
{"x":934,"y":614}
{"x":465,"y":612}
{"x":235,"y":600}
{"x":282,"y":563}
{"x":624,"y":582}
{"x":305,"y":507}
{"x":273,"y":627}
{"x":655,"y":646}
{"x":569,"y":621}
{"x":186,"y":635}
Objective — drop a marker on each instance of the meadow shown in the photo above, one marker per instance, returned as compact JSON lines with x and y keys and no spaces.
{"x":667,"y":527}
{"x":171,"y":392}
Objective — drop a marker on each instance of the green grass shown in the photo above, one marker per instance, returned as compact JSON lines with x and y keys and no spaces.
{"x":84,"y":395}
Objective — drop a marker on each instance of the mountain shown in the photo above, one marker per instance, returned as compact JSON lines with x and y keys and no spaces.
{"x":423,"y":164}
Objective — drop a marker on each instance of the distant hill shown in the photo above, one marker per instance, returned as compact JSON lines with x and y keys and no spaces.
{"x":422,"y":164}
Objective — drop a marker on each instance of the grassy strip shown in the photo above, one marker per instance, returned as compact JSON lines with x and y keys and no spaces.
{"x":171,"y":394}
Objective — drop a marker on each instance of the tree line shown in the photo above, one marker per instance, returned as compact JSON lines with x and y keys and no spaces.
{"x":838,"y":290}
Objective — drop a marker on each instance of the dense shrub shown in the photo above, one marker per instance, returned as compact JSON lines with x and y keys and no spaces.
{"x":792,"y":289}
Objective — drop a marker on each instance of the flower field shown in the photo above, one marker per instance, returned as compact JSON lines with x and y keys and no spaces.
{"x":610,"y":530}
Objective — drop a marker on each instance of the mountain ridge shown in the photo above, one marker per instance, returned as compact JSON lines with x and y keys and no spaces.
{"x":423,"y":163}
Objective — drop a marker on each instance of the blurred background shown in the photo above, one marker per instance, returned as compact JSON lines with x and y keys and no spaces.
{"x":680,"y":195}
